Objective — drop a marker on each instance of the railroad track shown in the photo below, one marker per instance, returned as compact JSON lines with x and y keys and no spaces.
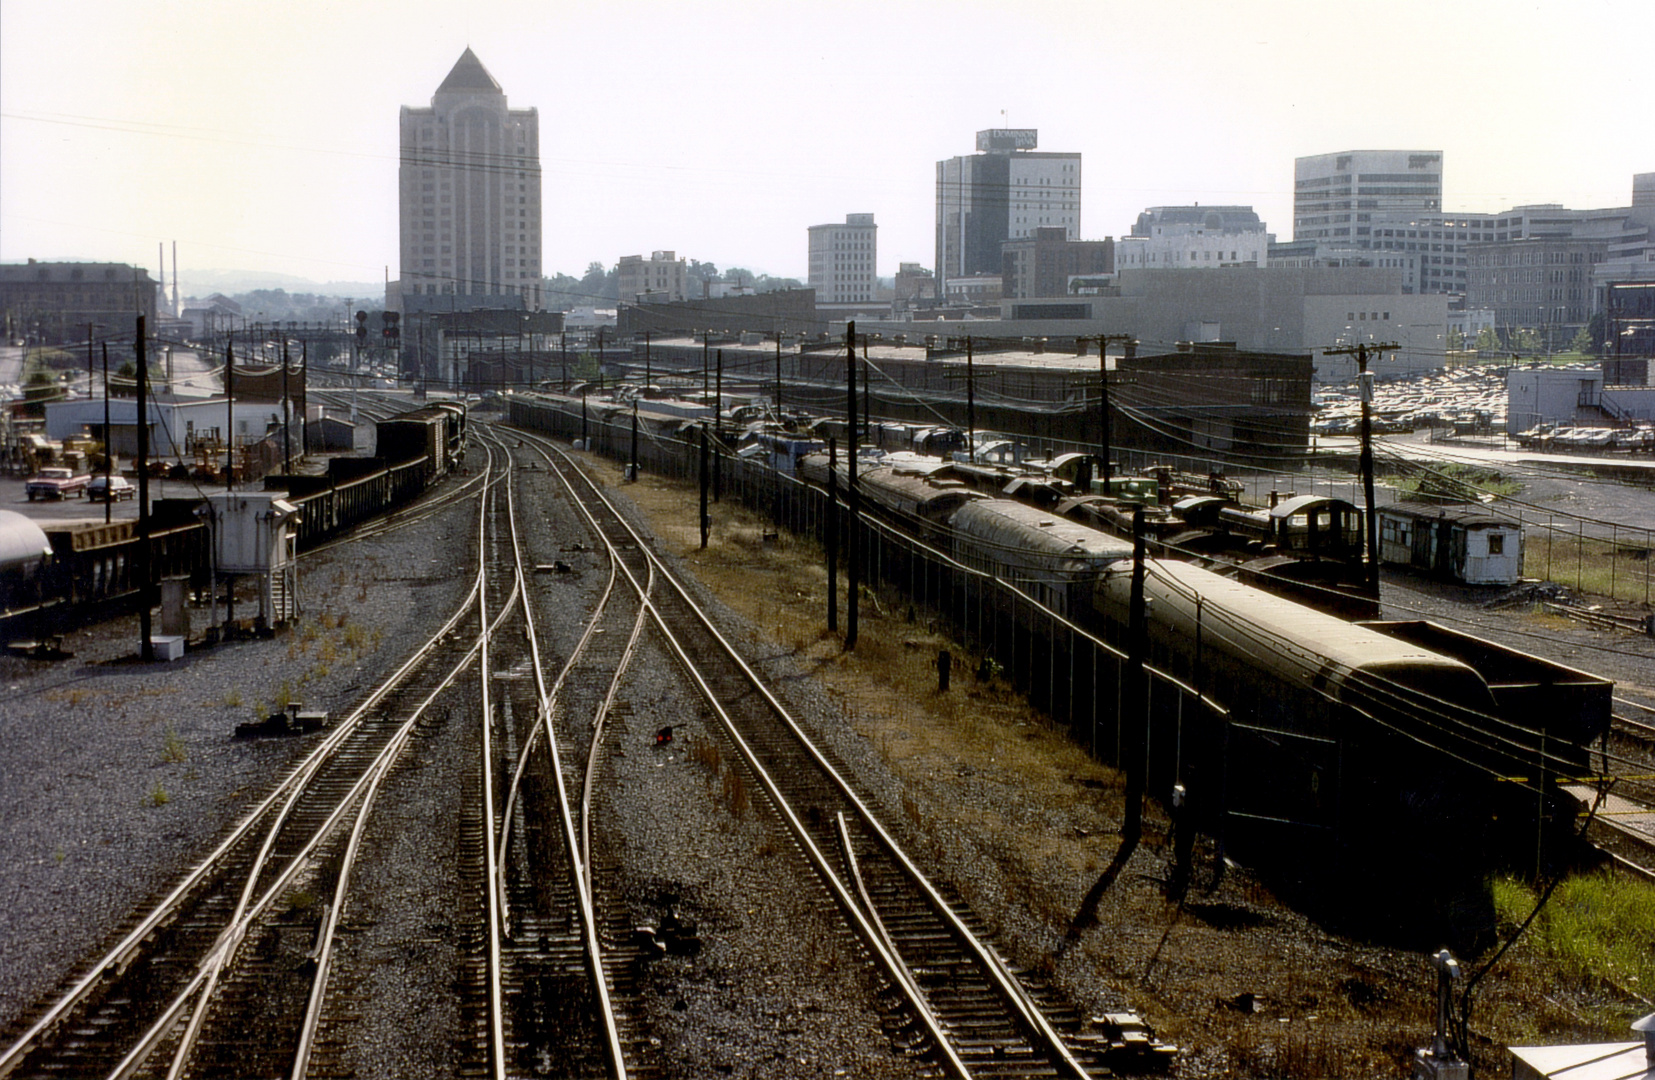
{"x":226,"y":974}
{"x":960,"y":1004}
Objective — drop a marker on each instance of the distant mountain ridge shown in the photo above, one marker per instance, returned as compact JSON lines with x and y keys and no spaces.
{"x":230,"y":282}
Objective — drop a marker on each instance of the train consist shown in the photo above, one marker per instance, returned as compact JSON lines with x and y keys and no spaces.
{"x":91,"y":570}
{"x":1397,"y":759}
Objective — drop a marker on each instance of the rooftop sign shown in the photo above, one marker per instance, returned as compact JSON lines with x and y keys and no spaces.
{"x":1008,"y":139}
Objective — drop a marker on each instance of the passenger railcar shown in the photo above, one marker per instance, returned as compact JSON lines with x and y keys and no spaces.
{"x":1343,"y":753}
{"x":1051,"y":558}
{"x":911,"y":498}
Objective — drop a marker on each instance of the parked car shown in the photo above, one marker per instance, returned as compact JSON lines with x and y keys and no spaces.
{"x":55,"y":482}
{"x":113,"y":488}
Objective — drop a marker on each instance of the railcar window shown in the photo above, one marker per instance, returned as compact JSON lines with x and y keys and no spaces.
{"x":1496,"y":544}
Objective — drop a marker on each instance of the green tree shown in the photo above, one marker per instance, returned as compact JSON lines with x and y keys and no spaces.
{"x":38,"y":389}
{"x":1598,"y":329}
{"x":1582,"y":342}
{"x":1488,"y":340}
{"x":1456,"y":339}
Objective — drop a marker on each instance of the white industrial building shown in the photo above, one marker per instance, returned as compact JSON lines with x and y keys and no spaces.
{"x":175,"y":424}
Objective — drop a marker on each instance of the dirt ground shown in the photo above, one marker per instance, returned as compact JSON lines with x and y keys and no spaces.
{"x":1247,"y":985}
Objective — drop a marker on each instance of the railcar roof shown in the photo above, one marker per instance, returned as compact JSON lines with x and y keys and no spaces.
{"x":1467,"y":514}
{"x":1019,"y":525}
{"x":1301,"y":628}
{"x":1299,"y":504}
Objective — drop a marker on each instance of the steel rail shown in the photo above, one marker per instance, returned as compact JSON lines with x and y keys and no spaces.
{"x":496,"y":1022}
{"x":1008,"y":984}
{"x":890,"y":963}
{"x":577,"y":861}
{"x":377,"y":773}
{"x":230,"y":940}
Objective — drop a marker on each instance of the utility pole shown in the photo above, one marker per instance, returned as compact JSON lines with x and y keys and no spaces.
{"x":146,"y":648}
{"x":633,"y":468}
{"x":853,"y":503}
{"x":970,"y":400}
{"x":230,"y":417}
{"x":1365,"y":458}
{"x":287,"y":414}
{"x":304,"y":394}
{"x":832,"y":535}
{"x":718,"y":432}
{"x":706,"y":522}
{"x":706,"y":343}
{"x":108,"y":452}
{"x":1105,"y":438}
{"x":648,"y":378}
{"x":778,"y":376}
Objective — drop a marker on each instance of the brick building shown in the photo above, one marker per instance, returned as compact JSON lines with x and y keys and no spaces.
{"x":53,"y":302}
{"x":1043,"y":264}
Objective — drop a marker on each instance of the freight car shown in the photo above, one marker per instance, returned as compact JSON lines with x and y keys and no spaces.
{"x":436,"y":433}
{"x":1468,"y":543}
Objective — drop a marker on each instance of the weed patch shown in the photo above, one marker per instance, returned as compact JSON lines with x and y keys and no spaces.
{"x":173,"y":750}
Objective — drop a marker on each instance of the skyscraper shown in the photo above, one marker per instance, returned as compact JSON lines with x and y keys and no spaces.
{"x":1005,"y":192}
{"x":469,"y":186}
{"x":1336,"y":197}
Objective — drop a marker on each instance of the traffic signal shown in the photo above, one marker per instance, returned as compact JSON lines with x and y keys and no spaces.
{"x":393,"y":327}
{"x":362,"y":328}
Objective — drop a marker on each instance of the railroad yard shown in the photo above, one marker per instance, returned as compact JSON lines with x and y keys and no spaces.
{"x":460,"y":948}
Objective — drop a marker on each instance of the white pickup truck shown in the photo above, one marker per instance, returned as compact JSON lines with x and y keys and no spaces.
{"x":55,"y":482}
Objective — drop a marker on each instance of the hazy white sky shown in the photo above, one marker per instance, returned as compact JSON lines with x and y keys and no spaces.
{"x":263,"y":136}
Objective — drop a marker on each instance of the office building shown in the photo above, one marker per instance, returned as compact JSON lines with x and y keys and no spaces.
{"x":1335,"y":196}
{"x":1004,"y":192}
{"x":844,"y":260}
{"x":469,"y":187}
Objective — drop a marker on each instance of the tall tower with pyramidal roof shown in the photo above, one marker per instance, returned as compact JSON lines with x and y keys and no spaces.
{"x":469,"y":186}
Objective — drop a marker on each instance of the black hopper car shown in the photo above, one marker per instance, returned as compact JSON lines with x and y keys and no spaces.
{"x":436,"y":432}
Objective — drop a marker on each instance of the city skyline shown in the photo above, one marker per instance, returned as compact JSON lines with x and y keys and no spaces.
{"x":663,"y":128}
